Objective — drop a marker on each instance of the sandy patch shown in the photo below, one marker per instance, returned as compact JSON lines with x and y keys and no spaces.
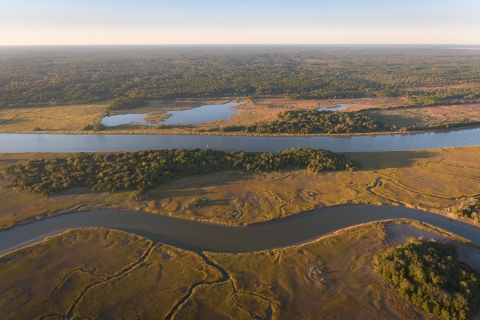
{"x":399,"y":233}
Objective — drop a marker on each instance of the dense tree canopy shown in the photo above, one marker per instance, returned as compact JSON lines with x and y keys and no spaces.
{"x":311,"y":122}
{"x":429,"y":275}
{"x":84,"y":74}
{"x":144,"y":170}
{"x":125,"y":103}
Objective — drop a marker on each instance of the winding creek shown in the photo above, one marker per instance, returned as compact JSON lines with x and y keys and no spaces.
{"x":11,"y":142}
{"x":200,"y":236}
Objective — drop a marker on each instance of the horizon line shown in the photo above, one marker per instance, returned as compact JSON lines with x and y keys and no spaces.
{"x":240,"y":44}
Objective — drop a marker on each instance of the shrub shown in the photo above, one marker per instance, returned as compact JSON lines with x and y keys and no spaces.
{"x":429,"y":275}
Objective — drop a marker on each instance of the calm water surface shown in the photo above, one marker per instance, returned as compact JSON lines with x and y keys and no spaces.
{"x":10,"y":142}
{"x":205,"y":113}
{"x":198,"y":236}
{"x":339,"y":107}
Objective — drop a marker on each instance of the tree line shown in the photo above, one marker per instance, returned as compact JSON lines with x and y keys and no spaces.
{"x":145,"y":170}
{"x":313,"y":122}
{"x":429,"y":275}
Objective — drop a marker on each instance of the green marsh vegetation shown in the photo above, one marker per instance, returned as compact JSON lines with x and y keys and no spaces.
{"x":146,"y":170}
{"x":429,"y":275}
{"x":469,"y":211}
{"x":313,"y":122}
{"x":434,"y":180}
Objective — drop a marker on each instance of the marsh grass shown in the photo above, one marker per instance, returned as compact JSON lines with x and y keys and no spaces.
{"x":47,"y":277}
{"x":92,"y":273}
{"x":434,"y":180}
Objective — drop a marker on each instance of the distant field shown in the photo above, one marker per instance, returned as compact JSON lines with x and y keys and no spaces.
{"x":426,"y":116}
{"x":54,"y":119}
{"x":72,"y":119}
{"x":356,"y":103}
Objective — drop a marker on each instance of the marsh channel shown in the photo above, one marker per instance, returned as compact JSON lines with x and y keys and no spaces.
{"x":201,"y":236}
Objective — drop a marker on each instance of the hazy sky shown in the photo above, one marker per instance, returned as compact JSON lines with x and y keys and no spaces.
{"x":34,"y":22}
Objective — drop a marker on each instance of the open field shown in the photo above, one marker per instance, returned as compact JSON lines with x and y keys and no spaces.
{"x":434,"y":180}
{"x":357,"y":104}
{"x":426,"y":116}
{"x":94,"y":272}
{"x":54,"y":119}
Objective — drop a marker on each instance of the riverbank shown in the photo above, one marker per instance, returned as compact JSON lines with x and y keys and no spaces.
{"x":137,"y":129}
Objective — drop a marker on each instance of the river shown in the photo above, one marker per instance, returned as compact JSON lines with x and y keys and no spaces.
{"x":200,"y":236}
{"x":11,"y":142}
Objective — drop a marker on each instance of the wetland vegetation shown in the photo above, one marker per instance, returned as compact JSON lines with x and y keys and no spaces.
{"x":313,"y":122}
{"x":436,"y":180}
{"x":429,"y":275}
{"x":145,"y":170}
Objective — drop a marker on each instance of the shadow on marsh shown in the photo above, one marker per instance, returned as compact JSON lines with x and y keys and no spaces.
{"x":193,"y":186}
{"x":11,"y":121}
{"x":392,"y":159}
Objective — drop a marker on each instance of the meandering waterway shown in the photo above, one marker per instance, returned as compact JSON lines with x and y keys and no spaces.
{"x":11,"y":142}
{"x":199,"y":236}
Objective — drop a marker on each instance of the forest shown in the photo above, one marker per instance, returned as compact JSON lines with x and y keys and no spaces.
{"x":63,"y":75}
{"x":145,"y":170}
{"x":428,"y":274}
{"x":313,"y":121}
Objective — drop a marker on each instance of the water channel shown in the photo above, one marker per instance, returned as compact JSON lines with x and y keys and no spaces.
{"x":199,"y":236}
{"x":12,"y":142}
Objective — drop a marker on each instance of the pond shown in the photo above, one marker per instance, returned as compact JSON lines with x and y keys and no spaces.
{"x":205,"y":113}
{"x":200,"y":236}
{"x":339,"y":107}
{"x":11,"y":142}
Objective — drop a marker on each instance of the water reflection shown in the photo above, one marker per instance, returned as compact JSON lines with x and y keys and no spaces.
{"x":205,"y":113}
{"x":10,"y":142}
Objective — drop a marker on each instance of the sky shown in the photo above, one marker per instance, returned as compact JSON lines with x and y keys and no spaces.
{"x":96,"y":22}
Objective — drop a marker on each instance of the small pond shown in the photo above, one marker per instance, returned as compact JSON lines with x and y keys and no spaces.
{"x":205,"y":113}
{"x":339,"y":107}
